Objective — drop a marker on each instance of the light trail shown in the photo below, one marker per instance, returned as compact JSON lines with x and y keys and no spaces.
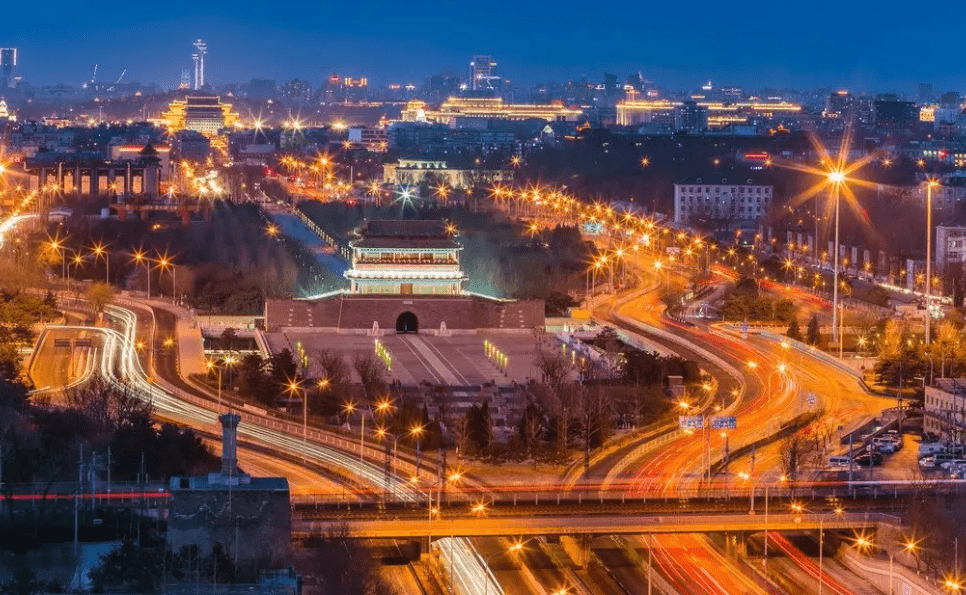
{"x":121,"y":366}
{"x":10,"y":223}
{"x":469,"y":571}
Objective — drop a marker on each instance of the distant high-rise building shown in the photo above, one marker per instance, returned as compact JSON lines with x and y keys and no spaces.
{"x":949,"y":98}
{"x":925,"y":93}
{"x":185,"y":80}
{"x":839,"y":104}
{"x":690,"y":117}
{"x":890,"y":112}
{"x":8,"y":68}
{"x":483,"y":73}
{"x":201,"y":49}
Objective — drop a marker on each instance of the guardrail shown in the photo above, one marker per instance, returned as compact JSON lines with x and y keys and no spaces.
{"x":737,"y":493}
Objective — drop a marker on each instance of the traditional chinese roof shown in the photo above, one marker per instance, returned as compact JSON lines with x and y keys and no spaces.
{"x":406,"y":235}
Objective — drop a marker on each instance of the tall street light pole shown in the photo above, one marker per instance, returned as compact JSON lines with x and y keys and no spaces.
{"x":836,"y":178}
{"x":929,"y":186}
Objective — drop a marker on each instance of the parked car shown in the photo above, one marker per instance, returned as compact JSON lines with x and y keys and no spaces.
{"x":863,"y":459}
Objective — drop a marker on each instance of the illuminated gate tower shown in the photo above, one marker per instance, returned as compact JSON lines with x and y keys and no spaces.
{"x":405,"y":258}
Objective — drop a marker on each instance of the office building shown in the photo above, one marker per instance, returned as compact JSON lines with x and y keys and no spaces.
{"x":839,"y":104}
{"x":690,"y":117}
{"x":201,"y":50}
{"x":732,"y":200}
{"x":950,"y":246}
{"x":483,"y":75}
{"x":8,"y":68}
{"x":944,"y":407}
{"x":891,"y":113}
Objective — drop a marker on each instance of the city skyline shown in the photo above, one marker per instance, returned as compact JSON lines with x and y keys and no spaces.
{"x":780,"y":49}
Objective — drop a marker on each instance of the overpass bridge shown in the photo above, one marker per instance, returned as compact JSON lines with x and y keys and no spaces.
{"x":588,"y":525}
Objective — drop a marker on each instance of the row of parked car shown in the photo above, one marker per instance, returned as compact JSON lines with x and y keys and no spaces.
{"x":885,"y":444}
{"x":948,"y":457}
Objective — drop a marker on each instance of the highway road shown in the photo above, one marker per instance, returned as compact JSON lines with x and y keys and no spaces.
{"x":693,"y":566}
{"x":776,"y":380}
{"x":58,"y":364}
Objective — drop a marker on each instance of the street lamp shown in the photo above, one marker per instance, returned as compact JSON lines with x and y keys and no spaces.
{"x":100,"y":250}
{"x":385,"y":434}
{"x":211,"y":365}
{"x":57,"y":245}
{"x":516,"y":547}
{"x":294,"y":386}
{"x":140,"y":257}
{"x":164,"y":262}
{"x":821,"y":534}
{"x":836,"y":178}
{"x":77,"y":261}
{"x":929,"y":186}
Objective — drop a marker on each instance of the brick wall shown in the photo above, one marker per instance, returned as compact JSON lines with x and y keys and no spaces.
{"x":357,"y":312}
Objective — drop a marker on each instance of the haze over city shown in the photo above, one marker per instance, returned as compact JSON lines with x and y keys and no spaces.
{"x":863,"y":45}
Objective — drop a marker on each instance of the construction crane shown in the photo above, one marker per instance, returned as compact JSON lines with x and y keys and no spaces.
{"x":93,"y":78}
{"x":123,"y":72}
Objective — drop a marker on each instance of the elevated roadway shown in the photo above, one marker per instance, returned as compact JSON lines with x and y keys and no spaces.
{"x":621,"y":524}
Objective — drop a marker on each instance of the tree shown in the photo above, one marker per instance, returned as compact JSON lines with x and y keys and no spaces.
{"x":794,"y":332}
{"x":128,"y":567}
{"x":99,"y":295}
{"x":554,"y":367}
{"x":813,"y":336}
{"x":228,"y":337}
{"x":370,"y":371}
{"x":797,"y":451}
{"x":106,"y":406}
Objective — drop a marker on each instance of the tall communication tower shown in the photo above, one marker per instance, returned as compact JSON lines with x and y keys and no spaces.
{"x":201,"y":48}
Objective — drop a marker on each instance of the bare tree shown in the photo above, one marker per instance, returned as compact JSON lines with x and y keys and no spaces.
{"x":108,"y":406}
{"x":554,"y":367}
{"x":796,"y":452}
{"x":461,"y":429}
{"x":336,"y":370}
{"x":370,"y":371}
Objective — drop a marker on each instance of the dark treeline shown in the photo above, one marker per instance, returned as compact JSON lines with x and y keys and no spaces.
{"x":228,"y":264}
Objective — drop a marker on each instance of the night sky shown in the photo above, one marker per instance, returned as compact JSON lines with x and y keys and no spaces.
{"x":858,"y":44}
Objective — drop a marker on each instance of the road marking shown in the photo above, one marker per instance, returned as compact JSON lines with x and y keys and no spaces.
{"x":441,"y":368}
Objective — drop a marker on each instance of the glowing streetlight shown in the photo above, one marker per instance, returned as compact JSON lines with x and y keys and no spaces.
{"x":929,"y":186}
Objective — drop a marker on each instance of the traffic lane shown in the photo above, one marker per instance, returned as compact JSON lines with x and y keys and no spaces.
{"x":627,"y":573}
{"x":301,"y":481}
{"x":666,"y":468}
{"x":56,"y":367}
{"x":504,"y":564}
{"x":543,"y":568}
{"x":686,"y":569}
{"x":843,"y":399}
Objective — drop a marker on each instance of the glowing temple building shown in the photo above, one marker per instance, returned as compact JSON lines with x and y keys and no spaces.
{"x":202,"y":113}
{"x":488,"y":108}
{"x":405,"y":258}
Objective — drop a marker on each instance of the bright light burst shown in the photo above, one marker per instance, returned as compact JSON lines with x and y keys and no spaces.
{"x":835,"y":178}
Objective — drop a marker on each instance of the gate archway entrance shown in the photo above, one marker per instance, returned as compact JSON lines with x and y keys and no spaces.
{"x":407,"y":323}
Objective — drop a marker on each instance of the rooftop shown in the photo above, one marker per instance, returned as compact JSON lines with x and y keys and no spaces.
{"x":433,"y":228}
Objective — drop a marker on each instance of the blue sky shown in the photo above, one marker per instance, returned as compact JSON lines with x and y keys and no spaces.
{"x":858,"y":44}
